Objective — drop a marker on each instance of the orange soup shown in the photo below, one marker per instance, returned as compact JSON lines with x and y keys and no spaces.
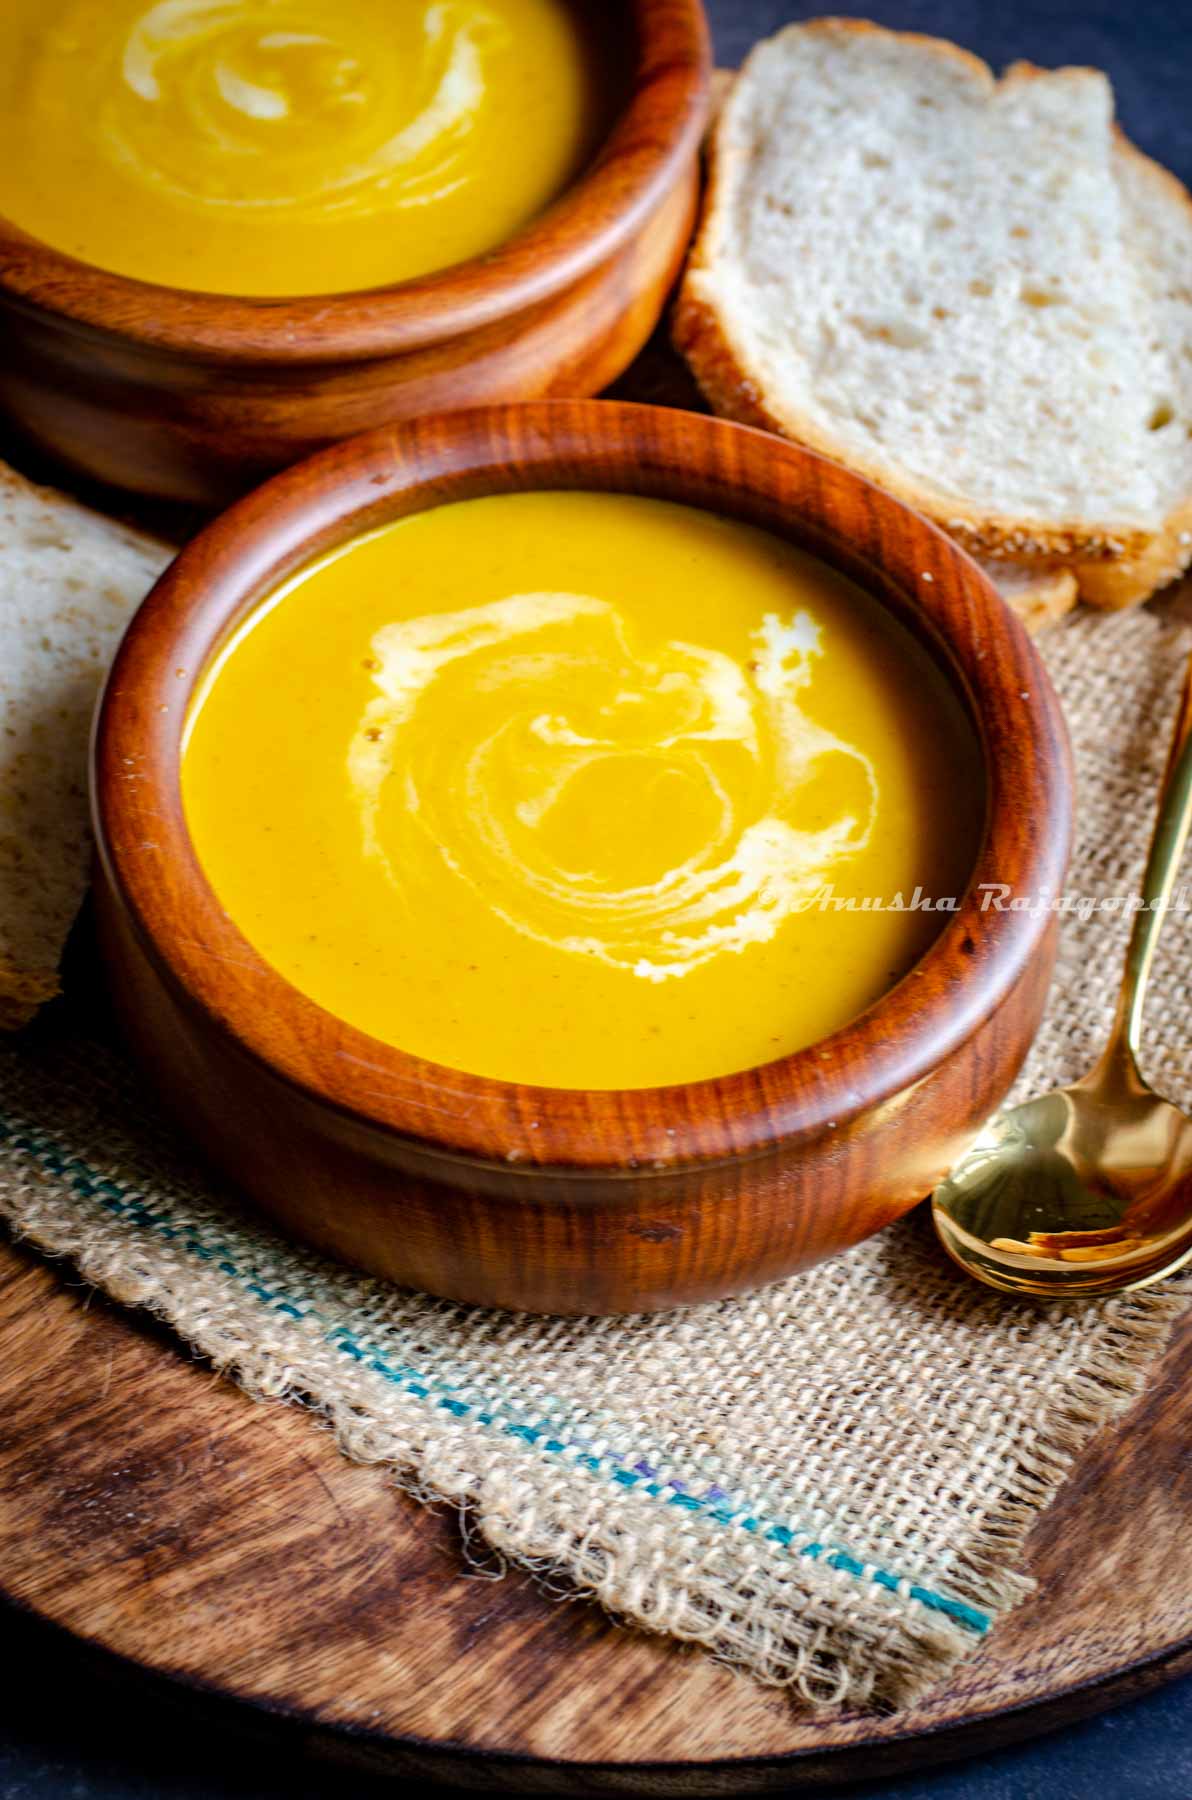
{"x":278,"y":147}
{"x":582,"y":790}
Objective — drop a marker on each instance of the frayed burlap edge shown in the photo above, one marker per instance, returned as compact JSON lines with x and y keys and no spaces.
{"x":785,"y":1620}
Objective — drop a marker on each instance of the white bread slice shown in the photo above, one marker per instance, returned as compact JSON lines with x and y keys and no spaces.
{"x":1159,"y":213}
{"x":918,"y":270}
{"x":69,"y":582}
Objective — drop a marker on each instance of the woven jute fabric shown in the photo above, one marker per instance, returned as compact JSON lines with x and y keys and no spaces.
{"x":828,"y":1483}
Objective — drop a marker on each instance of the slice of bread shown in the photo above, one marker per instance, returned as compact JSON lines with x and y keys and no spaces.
{"x":1038,"y":595}
{"x":922,"y":272}
{"x":69,"y":582}
{"x":1159,"y":211}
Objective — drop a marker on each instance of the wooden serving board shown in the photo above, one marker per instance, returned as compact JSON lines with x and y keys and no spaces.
{"x":155,"y":1512}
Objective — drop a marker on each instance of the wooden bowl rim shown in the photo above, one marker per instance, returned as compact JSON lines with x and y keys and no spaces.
{"x":633,"y":171}
{"x":216,"y":975}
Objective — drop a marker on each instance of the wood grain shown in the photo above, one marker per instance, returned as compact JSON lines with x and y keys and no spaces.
{"x":194,"y":397}
{"x":558,"y":1200}
{"x":157,"y":1513}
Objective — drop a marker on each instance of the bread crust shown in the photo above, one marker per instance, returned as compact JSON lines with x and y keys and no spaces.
{"x":704,"y":336}
{"x":1046,"y":597}
{"x":1129,"y":580}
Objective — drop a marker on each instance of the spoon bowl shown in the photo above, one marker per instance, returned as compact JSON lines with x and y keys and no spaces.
{"x":1088,"y":1190}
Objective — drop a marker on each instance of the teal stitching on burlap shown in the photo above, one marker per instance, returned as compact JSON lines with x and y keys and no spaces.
{"x":126,"y":1205}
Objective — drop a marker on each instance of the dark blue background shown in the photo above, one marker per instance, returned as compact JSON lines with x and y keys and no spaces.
{"x":67,"y":1734}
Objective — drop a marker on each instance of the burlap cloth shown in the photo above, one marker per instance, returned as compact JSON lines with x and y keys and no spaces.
{"x":828,"y":1483}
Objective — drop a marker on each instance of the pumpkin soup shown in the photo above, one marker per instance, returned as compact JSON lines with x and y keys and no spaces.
{"x":273,"y":147}
{"x":576,"y":789}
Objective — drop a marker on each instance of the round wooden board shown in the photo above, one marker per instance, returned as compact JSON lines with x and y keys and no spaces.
{"x":154,"y":1511}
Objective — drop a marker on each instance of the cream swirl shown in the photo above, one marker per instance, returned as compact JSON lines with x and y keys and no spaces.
{"x":295,"y":105}
{"x":651,"y":811}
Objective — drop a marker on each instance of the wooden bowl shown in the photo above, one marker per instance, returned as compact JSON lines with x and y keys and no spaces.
{"x":195,"y":397}
{"x":551,"y":1199}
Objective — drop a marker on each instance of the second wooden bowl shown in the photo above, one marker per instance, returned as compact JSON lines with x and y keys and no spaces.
{"x":551,"y":1199}
{"x":195,"y":397}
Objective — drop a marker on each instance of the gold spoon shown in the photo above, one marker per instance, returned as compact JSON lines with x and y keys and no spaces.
{"x":1089,"y":1189}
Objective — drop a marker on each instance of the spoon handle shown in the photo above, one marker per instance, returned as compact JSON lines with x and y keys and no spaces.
{"x":1167,"y":846}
